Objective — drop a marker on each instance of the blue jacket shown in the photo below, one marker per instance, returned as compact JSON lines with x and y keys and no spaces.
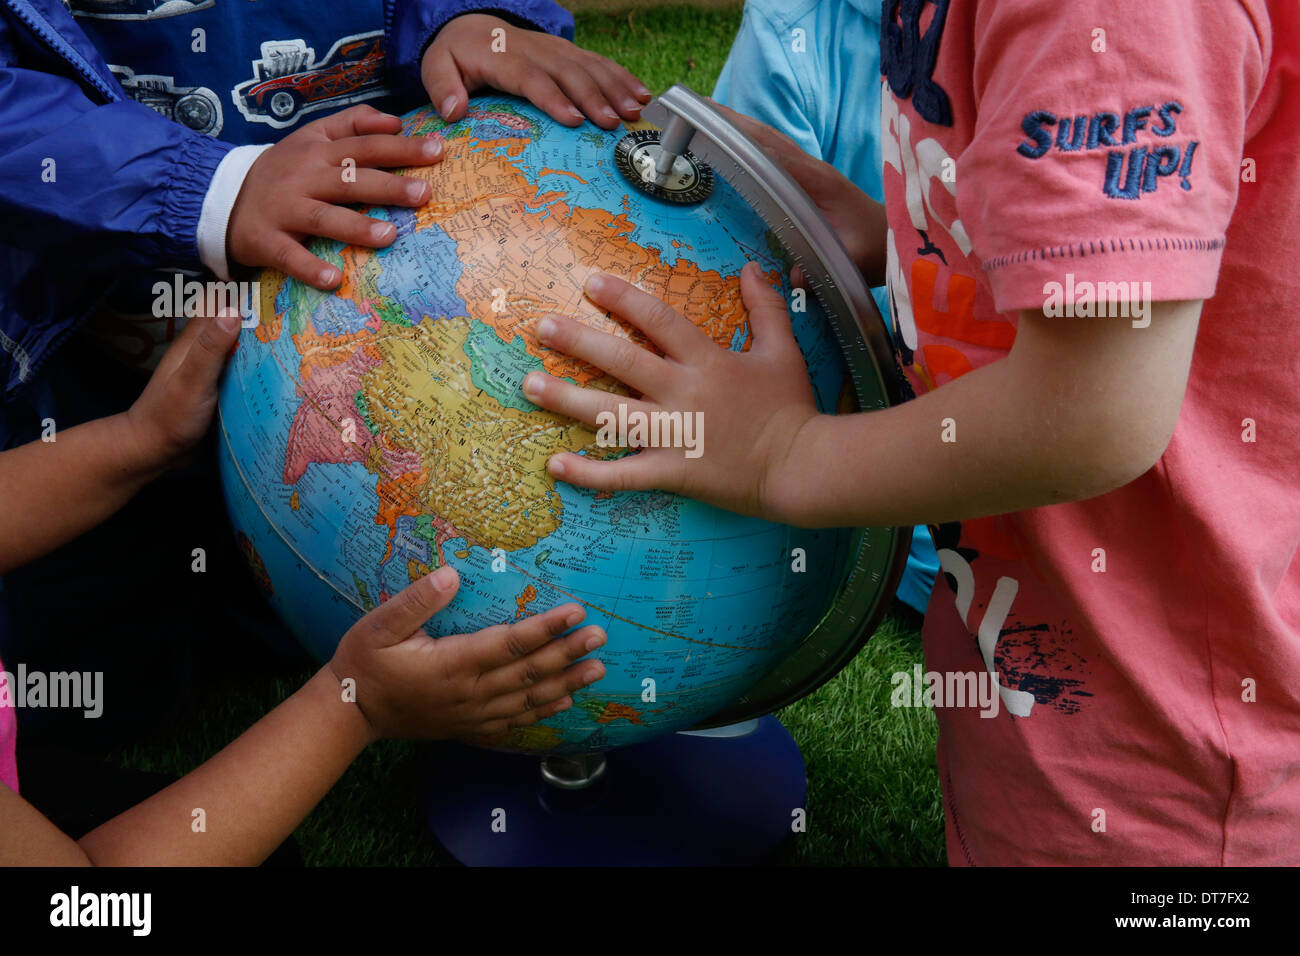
{"x":95,"y":185}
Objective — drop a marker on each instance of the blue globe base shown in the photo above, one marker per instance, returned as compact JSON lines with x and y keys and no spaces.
{"x":679,"y":800}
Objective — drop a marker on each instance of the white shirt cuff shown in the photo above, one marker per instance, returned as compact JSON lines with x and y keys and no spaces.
{"x":215,"y":215}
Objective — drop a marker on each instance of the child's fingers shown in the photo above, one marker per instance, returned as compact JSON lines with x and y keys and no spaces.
{"x":667,"y":328}
{"x":374,"y":187}
{"x":494,"y":732}
{"x":542,"y":664}
{"x":287,"y":254}
{"x":176,"y":352}
{"x":514,"y":705}
{"x":618,"y":356}
{"x":385,"y":151}
{"x":585,"y":92}
{"x":442,"y":82}
{"x":359,"y":120}
{"x":767,"y":137}
{"x":537,"y":86}
{"x":201,"y":364}
{"x":573,"y":401}
{"x":769,"y":319}
{"x":650,"y":468}
{"x":346,"y":225}
{"x":623,"y":91}
{"x":406,"y":612}
{"x":495,"y":647}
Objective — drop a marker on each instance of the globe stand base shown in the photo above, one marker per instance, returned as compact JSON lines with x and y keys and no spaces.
{"x":712,"y":798}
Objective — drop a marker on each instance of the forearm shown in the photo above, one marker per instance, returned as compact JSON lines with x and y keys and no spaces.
{"x":894,"y":467}
{"x":251,"y":795}
{"x":871,"y":258}
{"x":54,"y":491}
{"x":1041,"y":426}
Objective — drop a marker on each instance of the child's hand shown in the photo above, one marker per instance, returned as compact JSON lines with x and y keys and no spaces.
{"x":856,"y":218}
{"x":298,"y":188}
{"x":173,"y":412}
{"x":467,"y":686}
{"x":548,"y":70}
{"x":750,"y":405}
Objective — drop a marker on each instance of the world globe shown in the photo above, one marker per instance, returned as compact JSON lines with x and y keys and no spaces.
{"x":374,"y":433}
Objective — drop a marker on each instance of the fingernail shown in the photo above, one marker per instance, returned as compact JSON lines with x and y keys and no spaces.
{"x":595,"y":641}
{"x":328,"y":277}
{"x":228,"y":321}
{"x":574,"y":618}
{"x":594,"y":284}
{"x":609,"y":114}
{"x":380,"y":230}
{"x":415,"y":191}
{"x":556,"y":466}
{"x":593,"y":674}
{"x":448,"y":105}
{"x":545,"y":328}
{"x":432,"y":147}
{"x":576,"y":113}
{"x":533,"y":384}
{"x":632,"y":106}
{"x":644,"y":93}
{"x":443,"y":578}
{"x":564,"y":704}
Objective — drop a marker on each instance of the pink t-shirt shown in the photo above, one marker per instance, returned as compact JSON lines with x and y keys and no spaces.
{"x":8,"y":734}
{"x":1146,"y":642}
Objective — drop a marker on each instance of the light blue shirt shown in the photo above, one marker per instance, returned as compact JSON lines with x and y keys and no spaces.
{"x":811,"y":69}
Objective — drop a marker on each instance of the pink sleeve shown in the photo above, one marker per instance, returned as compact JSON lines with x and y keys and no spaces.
{"x":8,"y":733}
{"x":1114,"y":165}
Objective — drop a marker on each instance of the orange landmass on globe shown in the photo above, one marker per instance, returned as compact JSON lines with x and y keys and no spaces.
{"x":539,"y":250}
{"x":437,"y":443}
{"x":524,"y":598}
{"x":613,"y":711}
{"x":547,"y":171}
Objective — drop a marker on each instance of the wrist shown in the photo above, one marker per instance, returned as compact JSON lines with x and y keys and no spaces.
{"x":338,"y":701}
{"x":219,"y":206}
{"x":787,"y":489}
{"x":138,"y":456}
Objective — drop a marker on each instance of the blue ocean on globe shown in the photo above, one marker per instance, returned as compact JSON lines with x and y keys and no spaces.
{"x":371,"y":434}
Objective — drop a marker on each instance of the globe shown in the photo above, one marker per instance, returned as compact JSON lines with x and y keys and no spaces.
{"x":372,"y":434}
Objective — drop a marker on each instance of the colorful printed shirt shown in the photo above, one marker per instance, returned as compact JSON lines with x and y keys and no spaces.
{"x":1146,"y":643}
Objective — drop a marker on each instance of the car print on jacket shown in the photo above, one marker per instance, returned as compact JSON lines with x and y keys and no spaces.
{"x":195,"y":107}
{"x":288,"y":82}
{"x":135,"y":9}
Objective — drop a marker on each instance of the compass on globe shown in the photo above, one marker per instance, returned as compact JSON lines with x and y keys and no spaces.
{"x":673,"y":756}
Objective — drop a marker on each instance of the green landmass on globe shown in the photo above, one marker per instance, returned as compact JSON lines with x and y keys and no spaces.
{"x":372,"y":434}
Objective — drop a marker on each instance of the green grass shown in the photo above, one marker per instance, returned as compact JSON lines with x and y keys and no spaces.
{"x":873,"y":792}
{"x":664,"y":45}
{"x":873,"y":788}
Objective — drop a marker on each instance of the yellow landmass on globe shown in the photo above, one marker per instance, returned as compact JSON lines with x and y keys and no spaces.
{"x":484,"y":463}
{"x":481,"y":463}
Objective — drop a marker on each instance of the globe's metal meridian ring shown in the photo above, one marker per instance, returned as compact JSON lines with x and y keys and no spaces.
{"x":879,"y":554}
